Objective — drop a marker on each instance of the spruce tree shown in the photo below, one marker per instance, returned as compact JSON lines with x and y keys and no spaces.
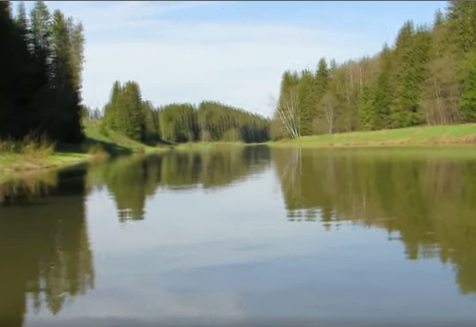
{"x":366,"y":112}
{"x":65,"y":115}
{"x":322,"y":78}
{"x":462,"y":24}
{"x":467,"y":104}
{"x":21,"y":21}
{"x":307,"y":102}
{"x":319,"y":89}
{"x":151,"y":125}
{"x":111,"y":110}
{"x":381,"y":104}
{"x":131,"y":118}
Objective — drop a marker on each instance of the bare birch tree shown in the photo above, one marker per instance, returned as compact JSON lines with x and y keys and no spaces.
{"x":328,"y":105}
{"x":287,"y":111}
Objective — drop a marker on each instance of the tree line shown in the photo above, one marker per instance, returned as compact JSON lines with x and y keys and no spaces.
{"x":428,"y":77}
{"x":40,"y":73}
{"x":127,"y":113}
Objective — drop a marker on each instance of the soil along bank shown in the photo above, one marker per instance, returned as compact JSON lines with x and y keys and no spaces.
{"x":464,"y":134}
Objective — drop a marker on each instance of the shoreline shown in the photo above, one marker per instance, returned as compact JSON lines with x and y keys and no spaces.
{"x":14,"y":164}
{"x":463,"y":135}
{"x":431,"y":137}
{"x":11,"y":163}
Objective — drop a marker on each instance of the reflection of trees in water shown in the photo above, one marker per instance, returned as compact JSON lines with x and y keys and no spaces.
{"x":132,"y":180}
{"x":213,"y":168}
{"x":429,"y":202}
{"x":44,"y":247}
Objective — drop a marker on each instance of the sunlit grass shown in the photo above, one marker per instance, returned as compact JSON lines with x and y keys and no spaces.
{"x":427,"y":135}
{"x":94,"y":132}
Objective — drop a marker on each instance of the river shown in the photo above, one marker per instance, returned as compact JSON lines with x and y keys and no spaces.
{"x":244,"y":236}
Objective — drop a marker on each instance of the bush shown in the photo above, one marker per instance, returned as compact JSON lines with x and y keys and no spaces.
{"x":37,"y":146}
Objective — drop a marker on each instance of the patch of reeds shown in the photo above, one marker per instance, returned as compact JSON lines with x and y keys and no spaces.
{"x":32,"y":145}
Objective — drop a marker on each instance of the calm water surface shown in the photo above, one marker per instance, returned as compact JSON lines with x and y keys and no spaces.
{"x":244,"y":237}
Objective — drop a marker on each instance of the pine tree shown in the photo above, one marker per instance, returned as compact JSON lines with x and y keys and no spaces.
{"x":131,"y":118}
{"x":467,"y":104}
{"x":412,"y":51}
{"x":21,"y":21}
{"x":318,"y":90}
{"x":381,"y":104}
{"x":151,"y":125}
{"x":462,"y":24}
{"x":306,"y":98}
{"x":40,"y":30}
{"x":65,"y":121}
{"x":76,"y":52}
{"x":111,"y":109}
{"x":322,"y":78}
{"x":36,"y":94}
{"x":366,"y":110}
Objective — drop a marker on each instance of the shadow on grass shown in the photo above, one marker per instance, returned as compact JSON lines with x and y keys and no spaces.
{"x":112,"y":149}
{"x":155,"y":143}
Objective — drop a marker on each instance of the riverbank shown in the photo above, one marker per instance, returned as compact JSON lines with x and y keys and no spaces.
{"x":208,"y":145}
{"x":96,"y":146}
{"x":17,"y":162}
{"x":449,"y":135}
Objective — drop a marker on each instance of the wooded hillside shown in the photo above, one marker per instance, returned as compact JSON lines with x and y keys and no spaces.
{"x":427,"y":77}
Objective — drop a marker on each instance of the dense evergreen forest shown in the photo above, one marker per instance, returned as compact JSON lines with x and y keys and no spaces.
{"x":40,"y":93}
{"x":428,"y":77}
{"x":128,"y":114}
{"x":40,"y":73}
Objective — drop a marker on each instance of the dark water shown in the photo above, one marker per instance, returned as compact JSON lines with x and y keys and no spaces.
{"x":244,"y":237}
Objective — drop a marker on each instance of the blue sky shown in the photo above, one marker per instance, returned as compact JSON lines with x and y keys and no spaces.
{"x":234,"y":52}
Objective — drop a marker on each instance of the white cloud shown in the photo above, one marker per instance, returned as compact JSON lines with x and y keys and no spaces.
{"x":191,"y":60}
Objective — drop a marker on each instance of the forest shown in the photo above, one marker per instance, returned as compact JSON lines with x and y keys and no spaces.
{"x":40,"y":93}
{"x":427,"y":77}
{"x":40,"y":73}
{"x":127,"y":113}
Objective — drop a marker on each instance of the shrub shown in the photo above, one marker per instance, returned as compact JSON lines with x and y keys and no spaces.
{"x":37,"y":146}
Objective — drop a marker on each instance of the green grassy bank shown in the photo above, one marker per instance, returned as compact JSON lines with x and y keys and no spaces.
{"x":415,"y":136}
{"x":208,"y":145}
{"x":26,"y":156}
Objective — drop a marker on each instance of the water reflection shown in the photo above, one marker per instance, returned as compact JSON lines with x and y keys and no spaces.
{"x":215,"y":240}
{"x":426,"y":202}
{"x":132,"y":180}
{"x":44,"y":247}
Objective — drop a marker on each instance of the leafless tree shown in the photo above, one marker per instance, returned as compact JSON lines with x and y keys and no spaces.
{"x":329,"y":104}
{"x":288,"y":113}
